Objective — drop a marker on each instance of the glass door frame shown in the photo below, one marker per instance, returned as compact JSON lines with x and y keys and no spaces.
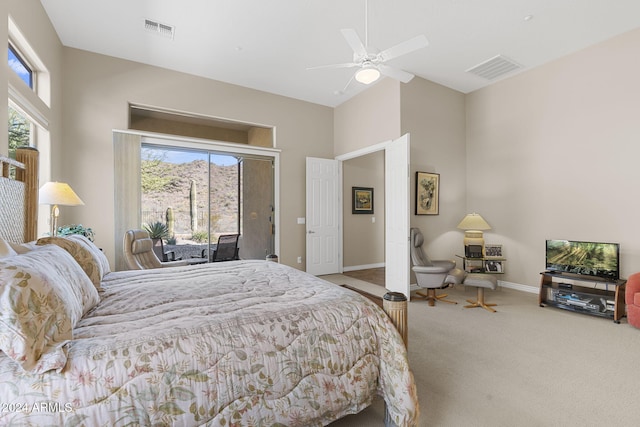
{"x":231,"y":149}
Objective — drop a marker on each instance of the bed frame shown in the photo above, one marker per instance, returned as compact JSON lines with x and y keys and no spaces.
{"x":19,"y":196}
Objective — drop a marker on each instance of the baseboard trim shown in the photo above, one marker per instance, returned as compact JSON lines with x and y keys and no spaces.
{"x":502,"y":283}
{"x":519,"y":287}
{"x":363,"y":267}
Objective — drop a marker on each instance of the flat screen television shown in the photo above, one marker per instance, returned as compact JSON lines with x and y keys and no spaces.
{"x":596,"y":259}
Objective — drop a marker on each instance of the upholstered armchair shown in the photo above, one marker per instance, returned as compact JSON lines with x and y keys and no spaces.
{"x":632,"y":299}
{"x":432,"y":274}
{"x":138,"y":252}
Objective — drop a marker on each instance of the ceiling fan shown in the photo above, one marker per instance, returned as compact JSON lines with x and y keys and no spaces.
{"x":371,"y":62}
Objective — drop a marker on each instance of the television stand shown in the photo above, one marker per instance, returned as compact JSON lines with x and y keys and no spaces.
{"x":605,"y":300}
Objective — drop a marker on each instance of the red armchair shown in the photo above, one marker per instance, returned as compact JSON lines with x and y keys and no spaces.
{"x":632,"y":299}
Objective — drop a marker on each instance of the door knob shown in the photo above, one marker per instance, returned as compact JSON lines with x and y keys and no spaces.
{"x":311,"y":232}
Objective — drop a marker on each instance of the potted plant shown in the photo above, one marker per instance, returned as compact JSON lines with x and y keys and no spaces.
{"x":67,"y":230}
{"x":157,"y":230}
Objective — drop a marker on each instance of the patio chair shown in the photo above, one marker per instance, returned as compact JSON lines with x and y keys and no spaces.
{"x":225,"y":250}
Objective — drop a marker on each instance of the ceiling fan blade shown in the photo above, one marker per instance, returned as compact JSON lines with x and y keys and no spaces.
{"x":345,"y":65}
{"x":395,"y":73}
{"x":348,"y":84}
{"x":403,"y":48}
{"x":354,"y":42}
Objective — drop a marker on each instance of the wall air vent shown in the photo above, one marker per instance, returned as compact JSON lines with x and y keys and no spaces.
{"x":158,"y":28}
{"x":493,"y":68}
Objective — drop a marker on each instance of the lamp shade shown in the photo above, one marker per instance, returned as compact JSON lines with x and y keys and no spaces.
{"x":58,"y":193}
{"x":367,"y":75}
{"x":473,"y":221}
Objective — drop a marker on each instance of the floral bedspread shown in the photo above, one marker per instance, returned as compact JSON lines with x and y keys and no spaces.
{"x":225,"y":344}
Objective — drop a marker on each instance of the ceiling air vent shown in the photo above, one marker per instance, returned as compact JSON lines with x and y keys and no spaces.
{"x":159,"y":28}
{"x":493,"y":68}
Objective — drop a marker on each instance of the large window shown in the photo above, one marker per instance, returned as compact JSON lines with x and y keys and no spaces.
{"x":20,"y":130}
{"x":20,"y":66}
{"x":20,"y":126}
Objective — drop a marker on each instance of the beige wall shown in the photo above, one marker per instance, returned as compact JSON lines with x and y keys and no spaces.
{"x":368,"y":118}
{"x":363,"y":239}
{"x":552,"y":154}
{"x":434,"y":116}
{"x":97,"y":92}
{"x":176,"y":127}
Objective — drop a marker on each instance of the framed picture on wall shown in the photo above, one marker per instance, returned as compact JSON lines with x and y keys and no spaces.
{"x":361,"y":200}
{"x":427,"y":193}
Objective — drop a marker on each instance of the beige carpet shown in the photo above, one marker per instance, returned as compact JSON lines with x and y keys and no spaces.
{"x":522,"y":366}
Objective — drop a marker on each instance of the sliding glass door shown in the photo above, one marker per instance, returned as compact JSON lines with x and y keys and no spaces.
{"x":257,"y":224}
{"x":194,"y":196}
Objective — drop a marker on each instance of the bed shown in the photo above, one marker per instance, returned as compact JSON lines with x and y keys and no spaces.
{"x":236,"y":343}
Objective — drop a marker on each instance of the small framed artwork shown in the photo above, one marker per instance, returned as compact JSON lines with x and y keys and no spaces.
{"x":491,"y":266}
{"x":427,"y":193}
{"x":492,"y":251}
{"x":361,"y":200}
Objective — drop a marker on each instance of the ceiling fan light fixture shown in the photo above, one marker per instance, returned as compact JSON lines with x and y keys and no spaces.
{"x":367,"y":75}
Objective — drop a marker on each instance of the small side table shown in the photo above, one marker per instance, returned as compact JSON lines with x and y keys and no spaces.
{"x":489,"y":265}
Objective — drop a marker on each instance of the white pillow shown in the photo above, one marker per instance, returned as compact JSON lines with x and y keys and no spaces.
{"x":23,"y":248}
{"x":6,"y":249}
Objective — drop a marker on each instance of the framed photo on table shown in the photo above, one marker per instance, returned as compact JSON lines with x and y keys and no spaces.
{"x":361,"y":200}
{"x":491,"y":266}
{"x":427,"y":193}
{"x":492,"y":251}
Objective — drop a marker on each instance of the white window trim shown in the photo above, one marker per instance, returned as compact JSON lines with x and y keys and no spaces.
{"x":40,"y":74}
{"x":26,"y":108}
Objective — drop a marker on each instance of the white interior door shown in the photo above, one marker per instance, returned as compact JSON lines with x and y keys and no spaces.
{"x":397,"y":207}
{"x":324,"y":204}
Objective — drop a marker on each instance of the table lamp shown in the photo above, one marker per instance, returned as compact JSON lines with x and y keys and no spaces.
{"x":473,"y":224}
{"x":54,"y":194}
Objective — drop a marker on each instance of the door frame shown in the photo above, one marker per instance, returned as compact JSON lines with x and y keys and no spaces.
{"x":381,"y":146}
{"x":348,"y":156}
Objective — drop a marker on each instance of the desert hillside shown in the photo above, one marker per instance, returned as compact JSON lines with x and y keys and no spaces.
{"x":168,"y":185}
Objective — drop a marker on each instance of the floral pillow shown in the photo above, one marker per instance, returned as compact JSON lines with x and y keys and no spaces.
{"x":99,"y":256}
{"x":80,"y":253}
{"x":41,"y":301}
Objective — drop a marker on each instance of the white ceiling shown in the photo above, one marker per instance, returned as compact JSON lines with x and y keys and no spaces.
{"x":269,"y":44}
